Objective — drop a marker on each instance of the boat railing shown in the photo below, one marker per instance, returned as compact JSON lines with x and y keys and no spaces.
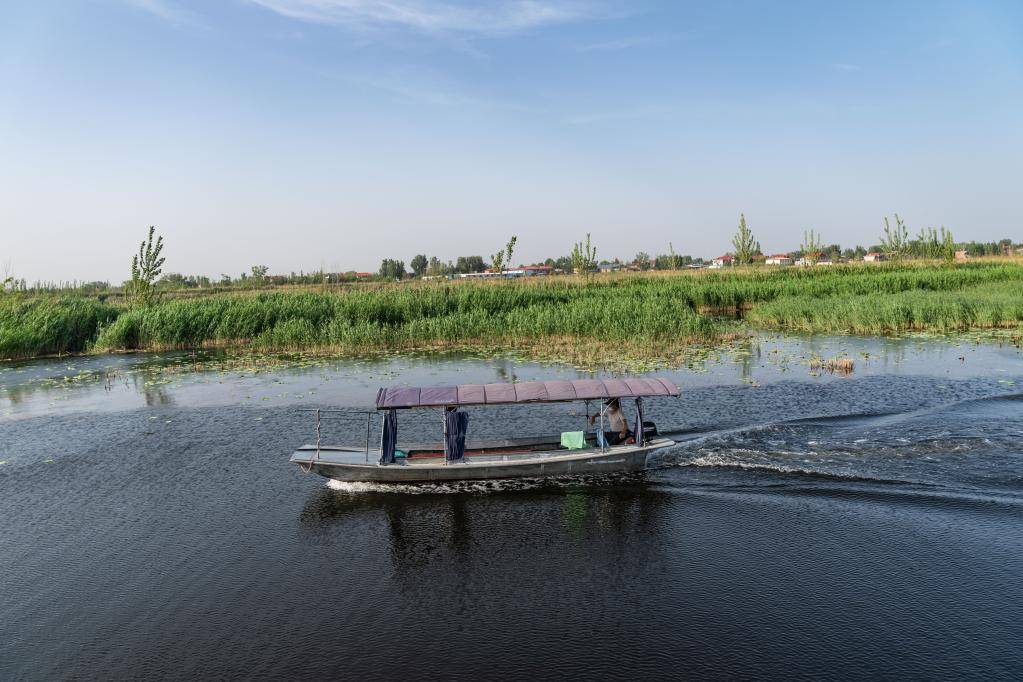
{"x":340,"y":415}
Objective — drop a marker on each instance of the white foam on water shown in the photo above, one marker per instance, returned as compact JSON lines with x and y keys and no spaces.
{"x":471,"y":487}
{"x":736,"y":462}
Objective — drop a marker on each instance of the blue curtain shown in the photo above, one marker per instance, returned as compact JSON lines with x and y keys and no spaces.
{"x":639,"y":421}
{"x":456,"y":423}
{"x":389,"y":437}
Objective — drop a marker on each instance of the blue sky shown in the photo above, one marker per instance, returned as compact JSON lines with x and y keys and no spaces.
{"x":335,"y":133}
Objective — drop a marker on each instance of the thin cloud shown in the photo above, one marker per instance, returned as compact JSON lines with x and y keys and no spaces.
{"x":625,"y":43}
{"x":503,"y":16}
{"x":841,"y":66}
{"x":424,"y":89}
{"x":644,"y":113}
{"x":165,"y":10}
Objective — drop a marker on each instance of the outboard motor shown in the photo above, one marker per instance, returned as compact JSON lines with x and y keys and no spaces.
{"x":649,"y":430}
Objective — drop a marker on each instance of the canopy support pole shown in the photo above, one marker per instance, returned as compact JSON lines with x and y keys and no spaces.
{"x":369,"y":416}
{"x":317,"y":434}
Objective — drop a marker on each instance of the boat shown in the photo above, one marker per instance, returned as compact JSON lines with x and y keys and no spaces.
{"x":454,"y":458}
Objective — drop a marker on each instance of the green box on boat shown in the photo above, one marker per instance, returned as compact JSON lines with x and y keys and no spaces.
{"x":573,"y":440}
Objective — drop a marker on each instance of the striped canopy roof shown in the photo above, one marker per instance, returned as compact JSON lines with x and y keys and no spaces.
{"x":523,"y":392}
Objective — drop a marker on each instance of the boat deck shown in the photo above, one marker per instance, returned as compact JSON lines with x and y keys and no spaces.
{"x":342,"y":455}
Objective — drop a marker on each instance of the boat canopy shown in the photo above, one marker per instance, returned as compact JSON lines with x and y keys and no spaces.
{"x":398,"y":398}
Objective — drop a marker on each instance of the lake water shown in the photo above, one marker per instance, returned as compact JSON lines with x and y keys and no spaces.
{"x":808,"y":525}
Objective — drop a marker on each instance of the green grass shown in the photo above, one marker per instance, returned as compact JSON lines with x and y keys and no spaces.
{"x":998,"y":304}
{"x":50,"y":325}
{"x":409,"y":317}
{"x":559,"y":317}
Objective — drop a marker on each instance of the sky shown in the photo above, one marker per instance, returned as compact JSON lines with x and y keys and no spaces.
{"x":301,"y":134}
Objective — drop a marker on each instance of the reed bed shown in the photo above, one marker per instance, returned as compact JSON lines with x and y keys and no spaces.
{"x":982,"y":307}
{"x":46,"y":325}
{"x":407,"y":318}
{"x":646,"y":314}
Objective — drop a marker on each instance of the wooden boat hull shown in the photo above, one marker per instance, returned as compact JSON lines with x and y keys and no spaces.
{"x":341,"y":464}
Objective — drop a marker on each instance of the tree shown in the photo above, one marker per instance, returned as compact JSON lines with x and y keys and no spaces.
{"x":811,"y":247}
{"x":436,"y":267}
{"x":948,"y":246}
{"x":564,"y":263}
{"x":674,"y":258}
{"x":509,"y":249}
{"x":503,"y":258}
{"x":584,"y":257}
{"x":497,"y":261}
{"x":855,"y":253}
{"x":146,"y":267}
{"x":642,"y":260}
{"x":466,"y":264}
{"x":392,"y":269}
{"x":259,"y":272}
{"x":419,"y":264}
{"x":745,"y":246}
{"x":895,"y":241}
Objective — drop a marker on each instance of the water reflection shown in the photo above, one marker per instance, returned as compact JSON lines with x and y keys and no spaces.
{"x":428,"y":530}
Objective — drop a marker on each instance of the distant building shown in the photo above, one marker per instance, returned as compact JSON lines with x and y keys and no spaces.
{"x":779,"y":259}
{"x":521,"y":271}
{"x":962,"y":254}
{"x":535,"y":270}
{"x":874,"y":257}
{"x":364,"y":275}
{"x":722,"y":261}
{"x":1007,"y":250}
{"x":609,"y":267}
{"x":817,"y":259}
{"x":487,"y":274}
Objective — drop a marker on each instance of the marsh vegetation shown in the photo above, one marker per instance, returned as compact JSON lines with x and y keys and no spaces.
{"x":642,"y":315}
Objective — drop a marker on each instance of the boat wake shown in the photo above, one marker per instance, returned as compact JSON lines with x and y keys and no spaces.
{"x":486,"y":486}
{"x":972,"y":444}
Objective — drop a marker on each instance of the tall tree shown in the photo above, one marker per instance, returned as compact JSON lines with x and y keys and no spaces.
{"x":811,"y":247}
{"x":948,"y":246}
{"x":392,"y":269}
{"x":146,"y":267}
{"x":503,"y":258}
{"x":419,"y":264}
{"x":497,"y":261}
{"x":466,"y":264}
{"x":895,"y":240}
{"x":642,"y":260}
{"x":584,"y":257}
{"x":674,"y":257}
{"x":745,"y":245}
{"x":509,"y":249}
